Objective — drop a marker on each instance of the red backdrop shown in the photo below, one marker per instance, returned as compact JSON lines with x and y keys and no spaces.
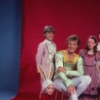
{"x":81,"y":17}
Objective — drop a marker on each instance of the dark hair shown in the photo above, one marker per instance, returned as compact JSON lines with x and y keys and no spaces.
{"x":48,"y":29}
{"x":73,"y":38}
{"x":99,"y":32}
{"x":95,"y":47}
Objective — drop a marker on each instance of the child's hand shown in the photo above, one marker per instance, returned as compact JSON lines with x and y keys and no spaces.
{"x":99,"y":80}
{"x":61,"y":69}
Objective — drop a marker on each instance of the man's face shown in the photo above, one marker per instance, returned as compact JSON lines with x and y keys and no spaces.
{"x":72,"y":46}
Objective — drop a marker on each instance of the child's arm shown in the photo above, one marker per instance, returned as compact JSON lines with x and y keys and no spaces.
{"x":98,"y":70}
{"x":39,"y":55}
{"x":98,"y":65}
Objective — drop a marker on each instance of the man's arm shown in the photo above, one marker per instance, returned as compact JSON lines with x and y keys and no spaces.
{"x":59,"y":63}
{"x":79,"y":71}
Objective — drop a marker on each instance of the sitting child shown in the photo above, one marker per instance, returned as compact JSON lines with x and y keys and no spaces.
{"x":47,"y":90}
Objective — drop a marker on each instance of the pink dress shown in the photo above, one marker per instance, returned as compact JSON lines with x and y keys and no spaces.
{"x":89,"y":62}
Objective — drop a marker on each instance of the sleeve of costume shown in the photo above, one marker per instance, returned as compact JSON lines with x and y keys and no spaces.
{"x":39,"y":54}
{"x":82,"y":52}
{"x":58,"y":60}
{"x":43,"y":97}
{"x":79,"y":71}
{"x":59,"y":63}
{"x":55,"y":46}
{"x":98,"y":63}
{"x":98,"y":68}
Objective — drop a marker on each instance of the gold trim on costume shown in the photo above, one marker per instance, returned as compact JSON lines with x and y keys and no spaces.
{"x":51,"y":72}
{"x":66,"y":59}
{"x":42,"y":72}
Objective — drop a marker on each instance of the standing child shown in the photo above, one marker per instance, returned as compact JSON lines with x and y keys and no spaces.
{"x":90,"y":60}
{"x":45,"y":54}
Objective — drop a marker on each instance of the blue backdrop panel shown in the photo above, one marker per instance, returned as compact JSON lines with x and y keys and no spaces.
{"x":10,"y":40}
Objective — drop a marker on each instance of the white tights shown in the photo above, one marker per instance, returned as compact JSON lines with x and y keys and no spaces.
{"x":80,"y":83}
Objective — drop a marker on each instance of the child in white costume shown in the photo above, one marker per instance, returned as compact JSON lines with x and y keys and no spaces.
{"x":47,"y":86}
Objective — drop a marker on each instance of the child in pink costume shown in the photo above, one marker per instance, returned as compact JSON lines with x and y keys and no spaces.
{"x":45,"y":56}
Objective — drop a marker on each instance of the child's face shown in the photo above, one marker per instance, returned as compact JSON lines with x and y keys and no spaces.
{"x":49,"y":36}
{"x":50,"y":89}
{"x":91,"y":44}
{"x":72,"y":46}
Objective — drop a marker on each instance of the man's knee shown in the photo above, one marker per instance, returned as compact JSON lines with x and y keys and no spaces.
{"x":87,"y":79}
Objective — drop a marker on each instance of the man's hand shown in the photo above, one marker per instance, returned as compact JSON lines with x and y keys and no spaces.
{"x":61,"y":69}
{"x":71,"y":89}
